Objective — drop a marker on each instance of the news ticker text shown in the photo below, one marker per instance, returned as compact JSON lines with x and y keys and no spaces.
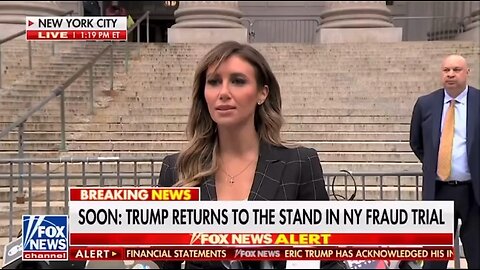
{"x":260,"y":253}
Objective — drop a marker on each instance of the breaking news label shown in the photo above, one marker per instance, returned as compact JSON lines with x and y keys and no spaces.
{"x":76,"y":28}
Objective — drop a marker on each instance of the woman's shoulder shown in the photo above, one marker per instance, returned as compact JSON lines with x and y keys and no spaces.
{"x":290,"y":152}
{"x":170,"y":160}
{"x":168,"y":173}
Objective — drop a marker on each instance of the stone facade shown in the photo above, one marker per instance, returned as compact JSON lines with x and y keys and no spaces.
{"x":12,"y":14}
{"x":207,"y":22}
{"x":332,"y":21}
{"x":357,"y":22}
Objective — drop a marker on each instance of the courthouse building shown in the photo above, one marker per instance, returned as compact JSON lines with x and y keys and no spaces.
{"x":276,"y":21}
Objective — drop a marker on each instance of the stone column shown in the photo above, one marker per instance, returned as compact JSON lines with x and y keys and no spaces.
{"x":12,"y":14}
{"x":357,"y":21}
{"x":207,"y":22}
{"x":472,"y":25}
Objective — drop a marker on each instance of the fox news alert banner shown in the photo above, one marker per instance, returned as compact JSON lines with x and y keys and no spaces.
{"x":76,"y":28}
{"x":171,"y":224}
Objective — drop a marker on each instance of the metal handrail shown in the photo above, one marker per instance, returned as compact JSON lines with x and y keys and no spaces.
{"x":58,"y":91}
{"x":80,"y":159}
{"x":146,"y":15}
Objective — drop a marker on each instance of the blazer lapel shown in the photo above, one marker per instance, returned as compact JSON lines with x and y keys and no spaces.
{"x":208,"y":192}
{"x":268,"y":174}
{"x":473,"y":114}
{"x":437,"y":109}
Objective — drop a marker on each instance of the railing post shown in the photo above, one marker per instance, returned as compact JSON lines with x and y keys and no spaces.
{"x":90,"y":73}
{"x":10,"y":199}
{"x":29,"y":54}
{"x":127,"y":52}
{"x":148,"y":28}
{"x":1,"y":66}
{"x":456,"y":242}
{"x":138,"y":32}
{"x":63,"y":146}
{"x":111,"y":67}
{"x":20,"y":196}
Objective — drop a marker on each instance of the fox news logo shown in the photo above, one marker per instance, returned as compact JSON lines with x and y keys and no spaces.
{"x":45,"y":237}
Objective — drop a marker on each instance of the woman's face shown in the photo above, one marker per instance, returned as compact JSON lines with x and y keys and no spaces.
{"x":232,"y":92}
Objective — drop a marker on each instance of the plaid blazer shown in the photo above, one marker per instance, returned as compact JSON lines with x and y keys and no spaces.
{"x":281,"y":174}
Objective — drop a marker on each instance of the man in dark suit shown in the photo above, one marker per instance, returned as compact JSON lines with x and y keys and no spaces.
{"x":445,"y":136}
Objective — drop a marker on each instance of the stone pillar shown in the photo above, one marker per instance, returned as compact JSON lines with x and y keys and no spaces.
{"x":357,"y":22}
{"x":207,"y":22}
{"x":472,"y":25}
{"x":12,"y":14}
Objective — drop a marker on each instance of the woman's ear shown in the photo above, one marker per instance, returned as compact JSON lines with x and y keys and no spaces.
{"x":263,"y":94}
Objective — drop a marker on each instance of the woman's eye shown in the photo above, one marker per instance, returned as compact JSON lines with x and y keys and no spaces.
{"x":213,"y":82}
{"x":238,"y":81}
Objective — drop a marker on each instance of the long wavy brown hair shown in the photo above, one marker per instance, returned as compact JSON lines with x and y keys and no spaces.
{"x":199,"y":160}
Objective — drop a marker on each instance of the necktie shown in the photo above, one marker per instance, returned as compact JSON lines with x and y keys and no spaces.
{"x":446,"y":144}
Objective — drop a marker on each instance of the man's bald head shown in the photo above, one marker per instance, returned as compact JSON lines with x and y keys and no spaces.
{"x":454,"y":74}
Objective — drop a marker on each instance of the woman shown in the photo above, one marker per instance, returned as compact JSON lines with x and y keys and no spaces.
{"x":235,"y":151}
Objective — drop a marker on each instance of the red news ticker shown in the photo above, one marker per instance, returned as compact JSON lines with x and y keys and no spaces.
{"x":276,"y":253}
{"x":134,"y":194}
{"x":342,"y":239}
{"x":76,"y":34}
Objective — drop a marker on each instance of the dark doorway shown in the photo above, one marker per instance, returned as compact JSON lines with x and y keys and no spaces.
{"x":161,"y":18}
{"x":158,"y":30}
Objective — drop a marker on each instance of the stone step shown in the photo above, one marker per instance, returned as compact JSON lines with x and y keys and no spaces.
{"x":37,"y":193}
{"x":178,"y":136}
{"x":38,"y":208}
{"x":93,"y":127}
{"x":7,"y":99}
{"x":22,"y":107}
{"x":325,"y":156}
{"x":155,"y":109}
{"x":3,"y":242}
{"x":312,"y":110}
{"x":176,"y":92}
{"x":302,"y":103}
{"x":373,"y":146}
{"x":64,"y":73}
{"x":387,"y":167}
{"x":41,"y":84}
{"x":335,"y":102}
{"x":23,"y":93}
{"x":126,"y":117}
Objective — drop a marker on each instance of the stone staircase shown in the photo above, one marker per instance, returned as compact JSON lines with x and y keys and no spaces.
{"x":24,"y":88}
{"x":351,"y":102}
